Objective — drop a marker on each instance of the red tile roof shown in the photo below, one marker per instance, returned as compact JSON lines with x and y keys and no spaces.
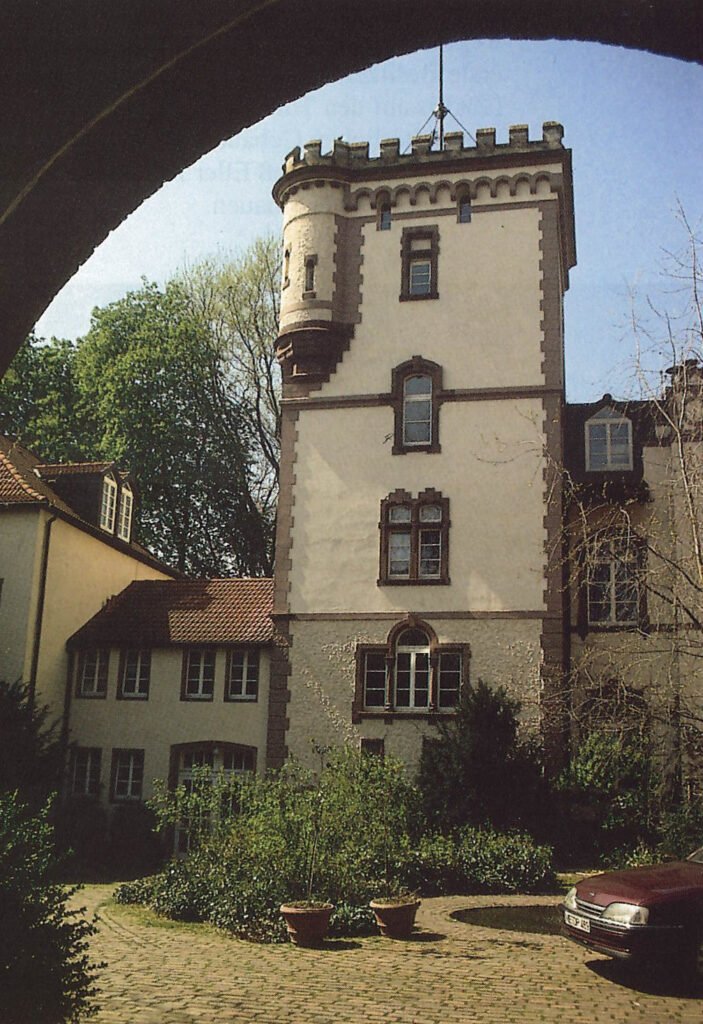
{"x":48,"y":469}
{"x":19,"y":484}
{"x":157,"y":613}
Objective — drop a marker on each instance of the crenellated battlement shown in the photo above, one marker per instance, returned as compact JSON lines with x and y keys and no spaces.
{"x":355,"y":155}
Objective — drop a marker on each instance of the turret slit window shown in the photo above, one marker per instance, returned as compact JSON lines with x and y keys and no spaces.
{"x":124,"y":519}
{"x":416,"y":388}
{"x":414,"y":539}
{"x":384,"y":216}
{"x":310,"y":264}
{"x":198,"y":680}
{"x":419,"y":263}
{"x":608,"y":442}
{"x":108,"y":502}
{"x":463,"y":209}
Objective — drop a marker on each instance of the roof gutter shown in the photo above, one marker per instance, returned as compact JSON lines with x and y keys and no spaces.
{"x":32,"y":685}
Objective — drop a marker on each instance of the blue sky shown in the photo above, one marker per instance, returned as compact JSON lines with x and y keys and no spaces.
{"x":632,"y":120}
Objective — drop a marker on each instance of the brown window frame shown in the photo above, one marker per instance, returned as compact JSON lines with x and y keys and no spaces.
{"x":462,"y":200}
{"x":638,"y":565}
{"x":408,"y":255}
{"x":388,"y":652}
{"x":144,"y":655}
{"x":131,"y":752}
{"x":103,"y":659}
{"x":384,"y":212}
{"x":92,"y":791}
{"x":415,"y":367}
{"x":414,"y":526}
{"x":197,"y":698}
{"x":243,"y":697}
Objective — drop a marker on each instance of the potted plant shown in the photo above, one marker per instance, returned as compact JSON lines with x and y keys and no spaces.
{"x":308,"y":920}
{"x":395,"y":915}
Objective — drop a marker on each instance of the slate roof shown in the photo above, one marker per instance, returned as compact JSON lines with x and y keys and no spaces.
{"x":159,"y":613}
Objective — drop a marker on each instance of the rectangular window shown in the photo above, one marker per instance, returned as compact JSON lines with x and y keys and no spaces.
{"x":449,"y":683}
{"x":374,"y":679}
{"x":608,"y":443}
{"x":399,"y":554}
{"x":412,"y":679}
{"x":239,"y":760}
{"x":372,"y":748}
{"x":430,"y":553}
{"x":419,"y":252}
{"x":613,"y":589}
{"x":107,"y":505}
{"x":92,"y":673}
{"x":124,"y":519}
{"x":199,"y":674}
{"x":136,"y":673}
{"x":243,"y":675}
{"x":420,"y":277}
{"x":84,"y":771}
{"x":127,"y":774}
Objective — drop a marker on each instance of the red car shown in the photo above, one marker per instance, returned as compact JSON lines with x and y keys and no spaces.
{"x":652,"y":914}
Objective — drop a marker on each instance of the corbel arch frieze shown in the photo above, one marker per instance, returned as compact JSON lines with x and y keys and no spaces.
{"x":454,"y":189}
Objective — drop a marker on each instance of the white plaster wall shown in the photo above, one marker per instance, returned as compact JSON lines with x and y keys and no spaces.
{"x":20,"y":560}
{"x":82,"y":574}
{"x":155,"y":724}
{"x":503,"y":653}
{"x":490,"y":468}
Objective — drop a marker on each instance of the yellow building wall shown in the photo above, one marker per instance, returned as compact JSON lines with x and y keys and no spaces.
{"x":82,"y":573}
{"x":20,"y":561}
{"x":154,"y":725}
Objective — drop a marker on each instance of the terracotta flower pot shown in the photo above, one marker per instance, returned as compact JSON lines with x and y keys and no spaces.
{"x":396,"y":919}
{"x":307,"y":925}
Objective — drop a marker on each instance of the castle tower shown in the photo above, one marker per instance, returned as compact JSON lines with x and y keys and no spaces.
{"x":421,"y":342}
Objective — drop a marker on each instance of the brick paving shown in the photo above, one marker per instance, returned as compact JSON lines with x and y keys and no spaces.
{"x":450,"y":972}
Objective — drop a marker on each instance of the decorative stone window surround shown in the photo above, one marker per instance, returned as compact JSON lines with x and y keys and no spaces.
{"x":417,"y":366}
{"x":388,"y":650}
{"x":414,"y":526}
{"x":411,"y":253}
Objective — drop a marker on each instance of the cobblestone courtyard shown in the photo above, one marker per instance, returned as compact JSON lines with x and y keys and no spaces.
{"x":452,"y":971}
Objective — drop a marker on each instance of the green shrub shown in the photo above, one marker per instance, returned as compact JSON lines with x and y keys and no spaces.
{"x":348,"y":835}
{"x":481,"y":860}
{"x":45,"y":972}
{"x":477,"y":771}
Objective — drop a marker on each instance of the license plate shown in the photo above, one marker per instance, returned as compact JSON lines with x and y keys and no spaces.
{"x":574,"y":921}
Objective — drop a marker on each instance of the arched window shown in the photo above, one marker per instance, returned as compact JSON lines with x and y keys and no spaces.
{"x":417,"y":410}
{"x":310,"y":264}
{"x":411,"y":673}
{"x":124,"y":519}
{"x":416,"y":395}
{"x":412,"y":670}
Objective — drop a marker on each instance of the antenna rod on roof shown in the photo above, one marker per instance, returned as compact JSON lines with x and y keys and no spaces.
{"x":440,"y":105}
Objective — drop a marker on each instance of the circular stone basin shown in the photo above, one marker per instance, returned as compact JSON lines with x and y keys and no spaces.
{"x":543,"y":919}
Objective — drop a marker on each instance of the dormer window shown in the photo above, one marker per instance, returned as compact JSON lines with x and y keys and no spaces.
{"x":124,"y":519}
{"x":608,"y":442}
{"x":108,"y":503}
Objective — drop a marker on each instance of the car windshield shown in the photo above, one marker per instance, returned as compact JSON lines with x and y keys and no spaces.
{"x":697,"y":856}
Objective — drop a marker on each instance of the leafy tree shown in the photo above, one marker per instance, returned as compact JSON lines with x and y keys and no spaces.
{"x":477,"y":771}
{"x":30,"y":758}
{"x":152,"y":397}
{"x":38,"y":399}
{"x":46,"y":974}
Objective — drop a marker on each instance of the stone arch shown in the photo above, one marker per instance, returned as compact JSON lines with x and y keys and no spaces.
{"x":93,"y":124}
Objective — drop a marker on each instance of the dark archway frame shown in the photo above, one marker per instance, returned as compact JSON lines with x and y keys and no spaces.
{"x":103,"y":103}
